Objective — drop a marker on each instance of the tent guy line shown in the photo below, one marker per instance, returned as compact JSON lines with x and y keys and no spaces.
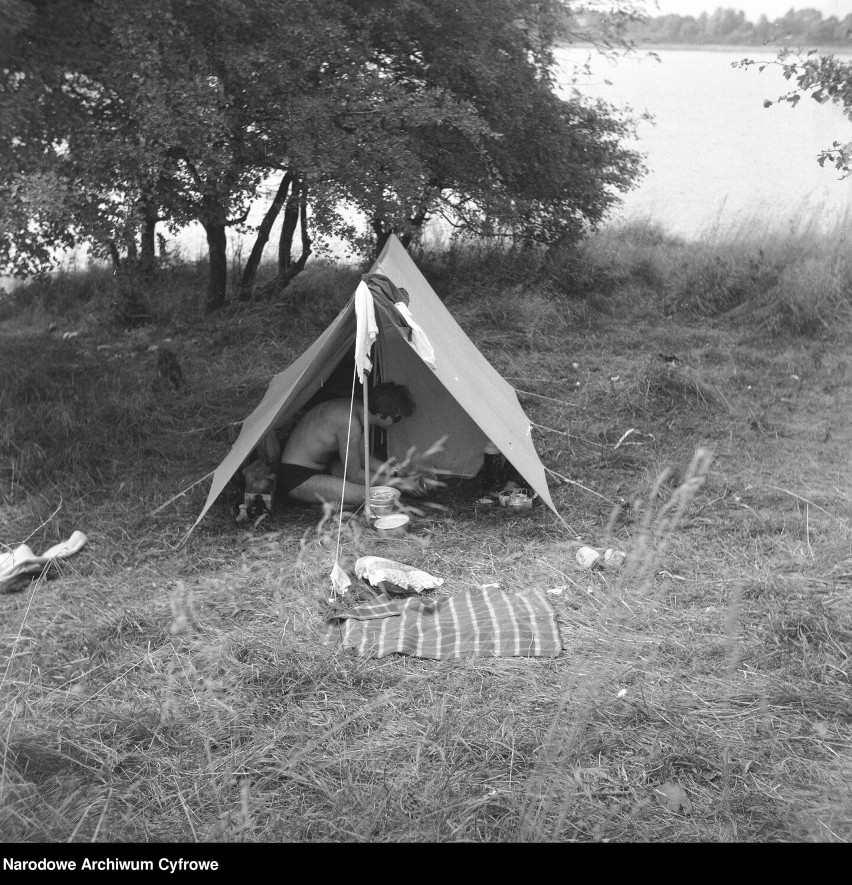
{"x":552,"y":399}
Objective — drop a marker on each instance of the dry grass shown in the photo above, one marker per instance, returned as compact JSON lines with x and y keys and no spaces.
{"x":153,"y":692}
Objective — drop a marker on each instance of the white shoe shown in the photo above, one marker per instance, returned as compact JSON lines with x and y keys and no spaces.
{"x":23,"y":561}
{"x":15,"y":565}
{"x":66,"y":548}
{"x":13,"y":562}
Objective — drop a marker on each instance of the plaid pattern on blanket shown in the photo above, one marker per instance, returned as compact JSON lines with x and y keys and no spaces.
{"x":491,"y":623}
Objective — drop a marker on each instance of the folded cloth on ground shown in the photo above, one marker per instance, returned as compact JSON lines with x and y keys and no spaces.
{"x":491,"y":623}
{"x":372,"y":610}
{"x":22,"y":560}
{"x":374,"y":569}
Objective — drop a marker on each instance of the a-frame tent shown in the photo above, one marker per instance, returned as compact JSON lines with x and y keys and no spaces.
{"x":463,"y":397}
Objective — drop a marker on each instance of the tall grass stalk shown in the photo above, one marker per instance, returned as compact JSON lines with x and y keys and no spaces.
{"x":556,"y":782}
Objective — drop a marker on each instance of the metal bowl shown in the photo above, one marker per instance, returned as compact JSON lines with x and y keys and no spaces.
{"x":392,"y":526}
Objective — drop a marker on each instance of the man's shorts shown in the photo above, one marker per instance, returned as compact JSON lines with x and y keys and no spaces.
{"x":291,"y":476}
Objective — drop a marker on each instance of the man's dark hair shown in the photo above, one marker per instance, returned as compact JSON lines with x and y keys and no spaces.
{"x":393,"y":400}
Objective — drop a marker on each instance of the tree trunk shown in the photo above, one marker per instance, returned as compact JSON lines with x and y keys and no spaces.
{"x":132,"y":254}
{"x":417,"y":221}
{"x":288,"y":228}
{"x":114,"y":257}
{"x":148,"y":259}
{"x":382,"y":233}
{"x":218,"y":278}
{"x":298,"y":214}
{"x":382,"y":230}
{"x":250,"y":270}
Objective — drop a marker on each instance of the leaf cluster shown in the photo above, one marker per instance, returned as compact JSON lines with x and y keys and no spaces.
{"x":824,"y":78}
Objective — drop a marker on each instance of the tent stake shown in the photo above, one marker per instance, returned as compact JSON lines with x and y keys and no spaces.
{"x":367,"y":511}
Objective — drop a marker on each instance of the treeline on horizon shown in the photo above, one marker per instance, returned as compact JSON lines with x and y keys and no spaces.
{"x":730,"y":27}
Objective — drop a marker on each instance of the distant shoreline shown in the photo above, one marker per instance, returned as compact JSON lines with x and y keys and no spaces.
{"x":769,"y":50}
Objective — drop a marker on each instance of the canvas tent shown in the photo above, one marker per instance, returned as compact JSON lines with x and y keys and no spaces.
{"x":462,"y":396}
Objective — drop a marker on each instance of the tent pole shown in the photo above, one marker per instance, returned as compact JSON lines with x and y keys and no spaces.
{"x":368,"y":513}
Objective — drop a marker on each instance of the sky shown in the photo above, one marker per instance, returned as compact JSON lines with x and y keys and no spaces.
{"x":753,"y":9}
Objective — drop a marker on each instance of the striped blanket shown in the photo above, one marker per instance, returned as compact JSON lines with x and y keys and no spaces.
{"x":491,"y":623}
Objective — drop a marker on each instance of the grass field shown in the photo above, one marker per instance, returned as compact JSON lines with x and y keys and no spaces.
{"x":694,"y":408}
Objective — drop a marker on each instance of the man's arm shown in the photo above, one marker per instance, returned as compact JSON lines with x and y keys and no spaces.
{"x":355,"y":449}
{"x":381,"y":471}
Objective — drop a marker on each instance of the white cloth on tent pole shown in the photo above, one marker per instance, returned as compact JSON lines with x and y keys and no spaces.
{"x":418,"y":339}
{"x":366,"y":329}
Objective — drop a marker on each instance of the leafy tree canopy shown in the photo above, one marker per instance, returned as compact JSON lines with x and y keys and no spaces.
{"x":117,"y":117}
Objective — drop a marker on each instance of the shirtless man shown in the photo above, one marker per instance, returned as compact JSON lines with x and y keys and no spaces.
{"x":311,"y":467}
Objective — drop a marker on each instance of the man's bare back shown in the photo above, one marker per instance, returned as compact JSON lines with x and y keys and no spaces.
{"x":320,"y":439}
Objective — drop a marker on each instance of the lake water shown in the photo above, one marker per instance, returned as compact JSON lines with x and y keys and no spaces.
{"x":719,"y":162}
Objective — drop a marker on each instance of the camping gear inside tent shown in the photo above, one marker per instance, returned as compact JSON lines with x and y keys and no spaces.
{"x":458,"y":392}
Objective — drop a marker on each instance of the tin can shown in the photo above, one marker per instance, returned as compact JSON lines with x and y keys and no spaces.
{"x":492,"y":468}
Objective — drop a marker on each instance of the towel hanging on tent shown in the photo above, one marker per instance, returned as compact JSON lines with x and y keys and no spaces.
{"x":366,"y":329}
{"x":418,"y":339}
{"x":395,"y":300}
